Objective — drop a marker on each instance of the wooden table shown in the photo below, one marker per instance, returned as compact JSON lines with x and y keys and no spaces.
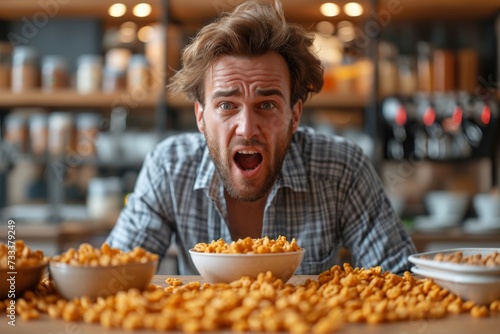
{"x":463,"y":323}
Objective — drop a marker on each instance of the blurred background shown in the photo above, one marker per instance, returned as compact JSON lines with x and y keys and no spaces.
{"x":82,"y":100}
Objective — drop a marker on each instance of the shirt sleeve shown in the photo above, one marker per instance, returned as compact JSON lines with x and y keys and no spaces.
{"x":372,"y":231}
{"x":145,"y":220}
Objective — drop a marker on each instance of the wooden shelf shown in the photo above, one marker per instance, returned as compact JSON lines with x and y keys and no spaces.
{"x":337,"y":100}
{"x":307,"y":12}
{"x":72,"y":99}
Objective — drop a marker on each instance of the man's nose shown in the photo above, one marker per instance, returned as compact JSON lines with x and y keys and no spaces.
{"x":247,"y":123}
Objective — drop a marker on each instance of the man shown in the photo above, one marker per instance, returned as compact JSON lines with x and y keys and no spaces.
{"x":251,"y":171}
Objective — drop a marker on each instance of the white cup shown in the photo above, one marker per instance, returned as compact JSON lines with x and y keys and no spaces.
{"x":487,"y":207}
{"x":446,"y":204}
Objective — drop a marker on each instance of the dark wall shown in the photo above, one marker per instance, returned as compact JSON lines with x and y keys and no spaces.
{"x":68,"y":37}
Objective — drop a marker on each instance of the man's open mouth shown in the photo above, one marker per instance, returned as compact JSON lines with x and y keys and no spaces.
{"x":247,"y":160}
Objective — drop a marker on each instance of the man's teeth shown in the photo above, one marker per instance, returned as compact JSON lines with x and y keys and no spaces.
{"x":248,"y":152}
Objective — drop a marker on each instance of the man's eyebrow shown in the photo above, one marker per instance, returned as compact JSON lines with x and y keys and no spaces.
{"x":270,"y":92}
{"x":225,"y":93}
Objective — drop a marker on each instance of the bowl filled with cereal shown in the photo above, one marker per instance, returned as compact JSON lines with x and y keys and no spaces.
{"x":100,"y":272}
{"x":222,"y":262}
{"x":21,"y":268}
{"x":471,"y":273}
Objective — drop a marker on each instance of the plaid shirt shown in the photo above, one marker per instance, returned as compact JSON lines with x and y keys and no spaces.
{"x":327,"y":195}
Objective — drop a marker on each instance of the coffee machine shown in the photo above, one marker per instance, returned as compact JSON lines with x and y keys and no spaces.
{"x":439,"y":126}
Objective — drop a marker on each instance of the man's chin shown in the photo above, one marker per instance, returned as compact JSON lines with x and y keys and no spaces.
{"x":247,"y":195}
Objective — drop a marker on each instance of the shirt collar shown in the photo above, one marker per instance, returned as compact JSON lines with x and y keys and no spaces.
{"x":293,"y":173}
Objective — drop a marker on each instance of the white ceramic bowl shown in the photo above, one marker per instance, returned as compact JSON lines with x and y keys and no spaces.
{"x":27,"y":278}
{"x":477,"y":288}
{"x":78,"y":281}
{"x":446,"y":203}
{"x":225,"y":268}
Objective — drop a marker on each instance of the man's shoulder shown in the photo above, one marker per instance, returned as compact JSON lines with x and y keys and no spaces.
{"x":326,"y":156}
{"x":321,"y":146}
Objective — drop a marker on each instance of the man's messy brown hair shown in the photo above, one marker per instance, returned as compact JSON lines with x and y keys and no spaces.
{"x":251,"y":29}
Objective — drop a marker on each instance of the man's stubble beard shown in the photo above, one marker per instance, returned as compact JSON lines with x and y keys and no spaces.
{"x":223,"y":170}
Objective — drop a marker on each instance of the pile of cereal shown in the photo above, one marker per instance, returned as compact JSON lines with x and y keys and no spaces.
{"x":249,"y":245}
{"x":23,"y":256}
{"x":489,"y":260}
{"x":87,"y":255}
{"x":339,"y":296}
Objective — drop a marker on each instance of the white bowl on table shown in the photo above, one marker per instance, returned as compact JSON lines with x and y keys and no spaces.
{"x":27,"y":278}
{"x":225,"y":268}
{"x":425,"y":261}
{"x":479,"y":289}
{"x":477,"y":283}
{"x":100,"y":281}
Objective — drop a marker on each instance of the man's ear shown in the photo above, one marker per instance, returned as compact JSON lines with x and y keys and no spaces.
{"x":198,"y":112}
{"x":297,"y":113}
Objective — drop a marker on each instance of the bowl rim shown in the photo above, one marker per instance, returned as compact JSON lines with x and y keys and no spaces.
{"x":64,"y":265}
{"x":300,"y":251}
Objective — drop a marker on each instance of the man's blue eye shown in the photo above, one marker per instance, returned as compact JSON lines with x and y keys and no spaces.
{"x":225,"y":106}
{"x":267,"y":105}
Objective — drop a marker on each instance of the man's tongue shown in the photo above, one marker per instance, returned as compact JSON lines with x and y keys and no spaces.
{"x":248,"y":161}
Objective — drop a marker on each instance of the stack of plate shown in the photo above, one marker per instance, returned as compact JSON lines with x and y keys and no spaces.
{"x":478,"y":226}
{"x":478,"y":283}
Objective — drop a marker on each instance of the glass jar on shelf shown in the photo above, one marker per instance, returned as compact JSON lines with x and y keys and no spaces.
{"x":25,"y":70}
{"x":87,"y":130}
{"x":38,"y":133}
{"x":113,"y":80}
{"x":89,"y":73}
{"x":104,"y":198}
{"x":138,"y":73}
{"x":16,"y":131}
{"x":115,"y":69}
{"x":61,"y":133}
{"x":54,"y":73}
{"x":5,"y":64}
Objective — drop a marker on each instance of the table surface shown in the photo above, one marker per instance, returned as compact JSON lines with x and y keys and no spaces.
{"x":455,"y":324}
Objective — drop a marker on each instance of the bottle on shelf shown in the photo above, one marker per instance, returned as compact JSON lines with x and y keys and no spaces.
{"x":425,"y":67}
{"x":467,"y":61}
{"x":388,"y":70}
{"x":407,"y":70}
